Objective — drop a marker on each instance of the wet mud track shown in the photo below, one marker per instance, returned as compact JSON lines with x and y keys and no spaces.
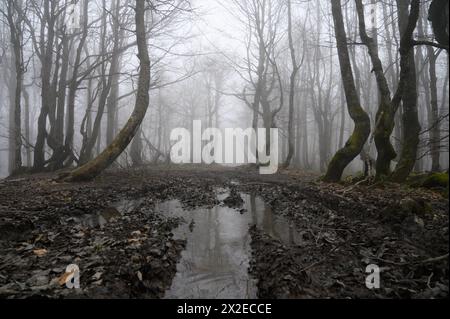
{"x":183,"y":233}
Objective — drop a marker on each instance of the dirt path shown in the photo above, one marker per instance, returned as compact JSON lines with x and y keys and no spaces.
{"x":126,"y":249}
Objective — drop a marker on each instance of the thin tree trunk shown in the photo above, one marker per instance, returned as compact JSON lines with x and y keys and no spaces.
{"x":26,"y":98}
{"x":106,"y":82}
{"x":73,"y":87}
{"x":15,"y":27}
{"x":295,"y":69}
{"x":342,"y":129}
{"x":435,"y":135}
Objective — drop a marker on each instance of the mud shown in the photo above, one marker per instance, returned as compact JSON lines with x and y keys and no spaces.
{"x":297,"y":238}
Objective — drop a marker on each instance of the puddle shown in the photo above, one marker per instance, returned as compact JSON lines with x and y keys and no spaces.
{"x":215,"y":262}
{"x":278,"y":227}
{"x":216,"y":259}
{"x":107,"y":215}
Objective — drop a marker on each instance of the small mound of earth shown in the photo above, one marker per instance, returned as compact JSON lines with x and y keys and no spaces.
{"x":234,"y":200}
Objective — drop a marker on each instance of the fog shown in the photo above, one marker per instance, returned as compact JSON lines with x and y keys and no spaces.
{"x":186,"y":149}
{"x":226,"y":63}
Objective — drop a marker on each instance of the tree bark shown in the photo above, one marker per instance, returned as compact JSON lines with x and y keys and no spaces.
{"x":26,"y":98}
{"x":136,"y":149}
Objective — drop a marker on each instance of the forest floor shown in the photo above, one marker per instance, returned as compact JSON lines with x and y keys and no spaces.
{"x":46,"y":225}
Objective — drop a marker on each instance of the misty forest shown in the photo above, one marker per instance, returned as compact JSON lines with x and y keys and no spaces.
{"x":95,"y":203}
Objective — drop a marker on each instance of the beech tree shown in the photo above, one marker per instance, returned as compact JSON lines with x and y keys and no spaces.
{"x":361,"y":132}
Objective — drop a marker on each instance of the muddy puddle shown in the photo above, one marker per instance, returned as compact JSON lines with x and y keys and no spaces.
{"x":107,"y":215}
{"x":216,"y":259}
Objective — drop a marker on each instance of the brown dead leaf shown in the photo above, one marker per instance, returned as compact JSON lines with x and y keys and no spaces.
{"x":62,"y":280}
{"x":40,"y":252}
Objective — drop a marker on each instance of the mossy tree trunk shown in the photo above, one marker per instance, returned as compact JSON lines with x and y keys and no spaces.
{"x":408,"y":88}
{"x":125,"y":136}
{"x":385,"y":118}
{"x":361,"y":132}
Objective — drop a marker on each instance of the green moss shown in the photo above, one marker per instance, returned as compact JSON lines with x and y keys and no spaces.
{"x":428,"y":180}
{"x":436,"y":181}
{"x":355,"y":178}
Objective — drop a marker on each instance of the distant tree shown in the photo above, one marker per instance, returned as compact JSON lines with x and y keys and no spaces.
{"x":15,"y":19}
{"x":292,"y":82}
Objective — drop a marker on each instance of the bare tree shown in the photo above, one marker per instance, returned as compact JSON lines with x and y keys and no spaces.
{"x":407,"y":91}
{"x":292,"y":82}
{"x":14,"y":17}
{"x":361,"y":132}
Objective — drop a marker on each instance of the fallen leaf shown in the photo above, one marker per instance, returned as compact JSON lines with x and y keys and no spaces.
{"x":63,"y":279}
{"x":40,"y":252}
{"x":97,"y":276}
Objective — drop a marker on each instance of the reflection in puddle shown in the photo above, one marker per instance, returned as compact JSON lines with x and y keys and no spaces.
{"x":276,"y":226}
{"x":107,"y":215}
{"x":216,"y":259}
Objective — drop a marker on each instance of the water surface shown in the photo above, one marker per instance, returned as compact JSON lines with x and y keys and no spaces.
{"x":216,"y":259}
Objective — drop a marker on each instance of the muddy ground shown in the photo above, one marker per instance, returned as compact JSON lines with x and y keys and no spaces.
{"x":46,"y":225}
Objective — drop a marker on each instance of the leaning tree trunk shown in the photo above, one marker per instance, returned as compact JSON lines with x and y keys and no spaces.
{"x":361,"y":132}
{"x":123,"y":139}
